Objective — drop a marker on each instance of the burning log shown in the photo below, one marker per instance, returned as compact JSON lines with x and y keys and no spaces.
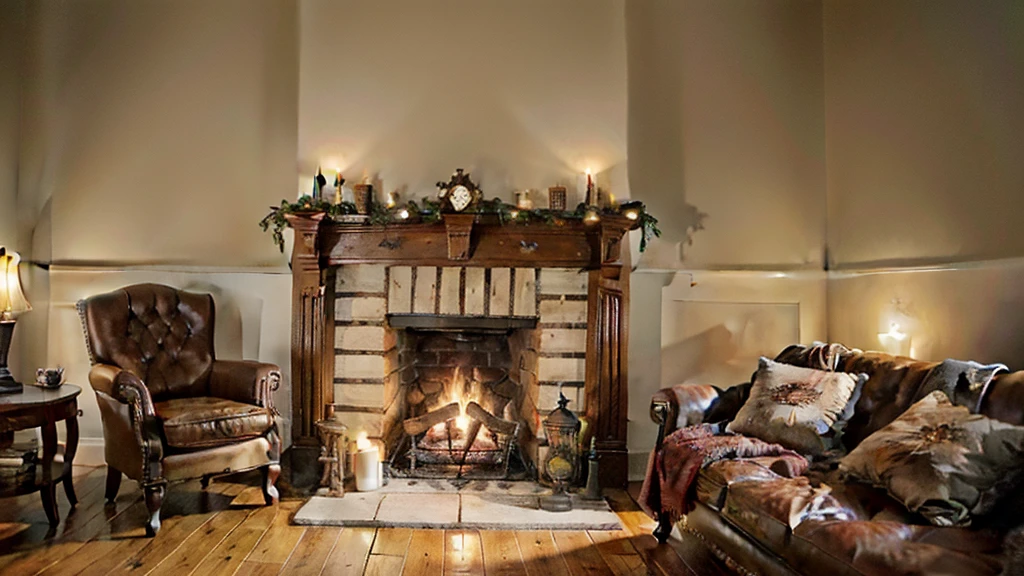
{"x":421,"y":424}
{"x":493,"y":423}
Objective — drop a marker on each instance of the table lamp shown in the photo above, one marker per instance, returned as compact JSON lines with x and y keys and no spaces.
{"x":12,"y":303}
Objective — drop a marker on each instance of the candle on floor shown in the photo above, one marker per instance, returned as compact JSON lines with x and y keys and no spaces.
{"x":366,"y":464}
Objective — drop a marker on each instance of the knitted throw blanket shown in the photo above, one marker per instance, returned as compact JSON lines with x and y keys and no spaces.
{"x":672,"y":471}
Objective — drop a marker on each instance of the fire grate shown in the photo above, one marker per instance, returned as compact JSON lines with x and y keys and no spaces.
{"x":457,"y":443}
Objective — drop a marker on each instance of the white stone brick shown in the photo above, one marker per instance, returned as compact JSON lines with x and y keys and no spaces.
{"x":563,"y":311}
{"x":359,"y":337}
{"x":525,"y":293}
{"x":360,"y":278}
{"x":501,"y":291}
{"x":562,"y":340}
{"x":548,"y":400}
{"x":555,"y":369}
{"x":400,"y":290}
{"x":563,"y":281}
{"x":362,"y":308}
{"x":450,"y":284}
{"x":358,"y":366}
{"x":371,"y":395}
{"x":475,"y":293}
{"x":426,"y":290}
{"x":360,"y":422}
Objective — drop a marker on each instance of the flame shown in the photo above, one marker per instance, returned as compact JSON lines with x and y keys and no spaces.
{"x":362,"y":442}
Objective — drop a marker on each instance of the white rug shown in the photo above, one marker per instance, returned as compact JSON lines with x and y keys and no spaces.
{"x":437,"y":504}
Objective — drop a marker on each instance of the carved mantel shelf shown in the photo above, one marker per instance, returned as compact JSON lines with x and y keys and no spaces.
{"x":322,"y":245}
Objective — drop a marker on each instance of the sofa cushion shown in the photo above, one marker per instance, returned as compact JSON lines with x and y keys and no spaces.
{"x":795,"y":406}
{"x":768,"y":510}
{"x":715,"y":478}
{"x":202,"y":422}
{"x":941,"y":461}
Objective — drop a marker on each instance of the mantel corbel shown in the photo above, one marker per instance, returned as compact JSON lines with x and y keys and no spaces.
{"x":459,"y":229}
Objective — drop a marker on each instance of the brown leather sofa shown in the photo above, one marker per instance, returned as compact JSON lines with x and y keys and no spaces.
{"x":170,"y":410}
{"x":761,"y":522}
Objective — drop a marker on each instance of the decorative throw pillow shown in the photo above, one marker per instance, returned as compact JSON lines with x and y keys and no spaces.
{"x":795,"y":407}
{"x":941,"y":461}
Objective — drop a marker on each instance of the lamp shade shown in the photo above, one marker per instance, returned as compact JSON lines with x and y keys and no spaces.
{"x":12,"y":298}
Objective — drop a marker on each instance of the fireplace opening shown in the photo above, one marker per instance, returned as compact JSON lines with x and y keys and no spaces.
{"x":465,"y":407}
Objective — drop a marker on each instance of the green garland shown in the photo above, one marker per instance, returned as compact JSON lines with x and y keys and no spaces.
{"x":430,"y":212}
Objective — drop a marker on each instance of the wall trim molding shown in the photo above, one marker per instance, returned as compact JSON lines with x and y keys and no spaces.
{"x":90,"y":452}
{"x":93,"y":267}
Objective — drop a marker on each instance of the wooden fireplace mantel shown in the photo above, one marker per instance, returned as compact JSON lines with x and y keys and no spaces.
{"x":322,"y":245}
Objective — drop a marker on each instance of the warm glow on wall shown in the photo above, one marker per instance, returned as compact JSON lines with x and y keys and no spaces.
{"x":895,"y":341}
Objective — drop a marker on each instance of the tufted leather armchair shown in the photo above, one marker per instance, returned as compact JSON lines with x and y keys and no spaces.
{"x":170,"y":410}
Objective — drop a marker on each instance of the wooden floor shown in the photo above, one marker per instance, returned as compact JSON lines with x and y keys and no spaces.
{"x":226,"y":530}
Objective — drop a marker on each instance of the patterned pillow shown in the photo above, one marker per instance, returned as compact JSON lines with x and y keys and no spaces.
{"x":941,"y":461}
{"x":795,"y":407}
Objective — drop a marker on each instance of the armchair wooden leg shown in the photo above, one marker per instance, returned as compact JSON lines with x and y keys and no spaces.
{"x":113,"y":483}
{"x":664,"y":529}
{"x":204,"y":482}
{"x":154,"y":499}
{"x":270,"y":472}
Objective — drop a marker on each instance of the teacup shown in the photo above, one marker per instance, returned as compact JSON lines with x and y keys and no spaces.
{"x":50,"y":377}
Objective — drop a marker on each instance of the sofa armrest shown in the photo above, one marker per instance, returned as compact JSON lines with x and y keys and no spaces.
{"x":680,"y":406}
{"x":245,"y":381}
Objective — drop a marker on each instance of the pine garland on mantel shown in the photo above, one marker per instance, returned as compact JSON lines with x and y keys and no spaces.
{"x":430,"y":211}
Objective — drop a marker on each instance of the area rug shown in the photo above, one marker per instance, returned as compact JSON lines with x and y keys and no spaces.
{"x":483,"y":505}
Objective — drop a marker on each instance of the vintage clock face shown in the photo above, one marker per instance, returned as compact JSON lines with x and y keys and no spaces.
{"x":459,"y":193}
{"x":460,"y":197}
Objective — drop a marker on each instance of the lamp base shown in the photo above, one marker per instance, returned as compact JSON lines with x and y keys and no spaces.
{"x":10,"y":387}
{"x":558,"y":502}
{"x":7,"y":383}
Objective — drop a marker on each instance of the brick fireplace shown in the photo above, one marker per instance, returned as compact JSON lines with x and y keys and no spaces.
{"x":446,"y":339}
{"x":408,"y":341}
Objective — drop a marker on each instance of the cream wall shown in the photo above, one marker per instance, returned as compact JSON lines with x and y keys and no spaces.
{"x":925,"y":136}
{"x":153,"y":137}
{"x":522,"y":94}
{"x":11,"y":25}
{"x":726,"y":119}
{"x":726,"y":131}
{"x":170,"y":128}
{"x":925,"y":131}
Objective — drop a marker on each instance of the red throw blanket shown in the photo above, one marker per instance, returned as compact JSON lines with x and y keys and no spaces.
{"x":671,"y":471}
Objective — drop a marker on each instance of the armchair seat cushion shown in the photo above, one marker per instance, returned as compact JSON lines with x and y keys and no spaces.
{"x":204,"y":422}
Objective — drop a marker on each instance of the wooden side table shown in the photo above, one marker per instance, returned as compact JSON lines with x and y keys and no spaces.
{"x":37,"y":407}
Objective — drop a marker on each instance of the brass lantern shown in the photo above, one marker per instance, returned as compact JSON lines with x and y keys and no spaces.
{"x":562,"y":462}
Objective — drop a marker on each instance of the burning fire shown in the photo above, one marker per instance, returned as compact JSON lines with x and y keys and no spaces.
{"x":457,"y":394}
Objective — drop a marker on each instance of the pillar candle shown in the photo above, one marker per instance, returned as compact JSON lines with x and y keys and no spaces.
{"x":366,"y":464}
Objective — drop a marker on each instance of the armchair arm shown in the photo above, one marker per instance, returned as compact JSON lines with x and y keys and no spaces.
{"x":128,"y":415}
{"x":122,"y":385}
{"x":245,"y":381}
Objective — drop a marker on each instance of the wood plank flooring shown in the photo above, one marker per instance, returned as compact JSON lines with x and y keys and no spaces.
{"x":225,"y":530}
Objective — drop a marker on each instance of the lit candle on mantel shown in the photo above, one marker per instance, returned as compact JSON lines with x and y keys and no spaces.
{"x":339,"y":181}
{"x":366,"y":464}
